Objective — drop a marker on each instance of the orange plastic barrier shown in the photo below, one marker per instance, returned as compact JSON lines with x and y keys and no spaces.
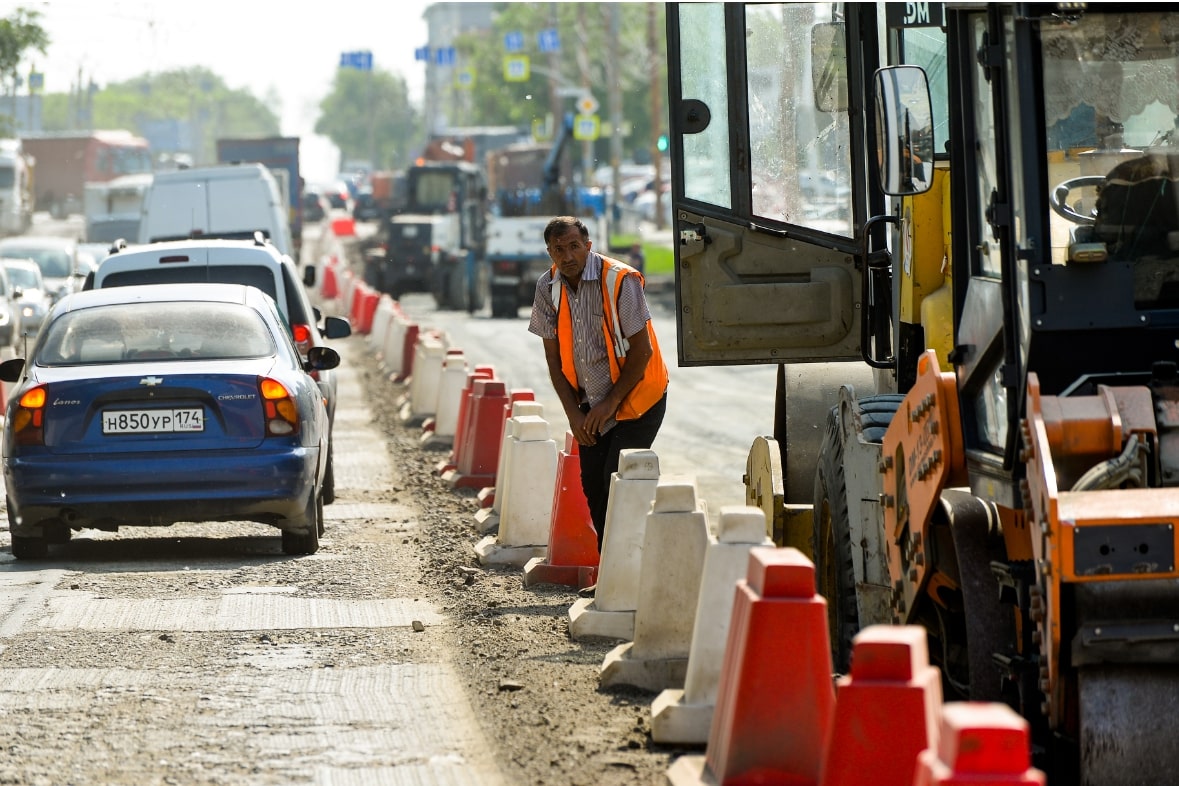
{"x":412,"y":331}
{"x":886,"y":710}
{"x":479,"y":458}
{"x":459,"y":448}
{"x":368,"y":299}
{"x":329,"y":287}
{"x":980,"y":744}
{"x":355,"y":302}
{"x":775,"y":698}
{"x":572,"y":557}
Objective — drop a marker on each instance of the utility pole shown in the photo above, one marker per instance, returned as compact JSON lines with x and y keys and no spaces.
{"x":556,"y":105}
{"x":656,"y":108}
{"x":614,"y":102}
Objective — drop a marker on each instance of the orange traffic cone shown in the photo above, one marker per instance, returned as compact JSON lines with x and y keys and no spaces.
{"x":572,"y":558}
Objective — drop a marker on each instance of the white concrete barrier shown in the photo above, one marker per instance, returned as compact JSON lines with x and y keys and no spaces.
{"x":674,"y":548}
{"x":429,"y":352}
{"x":524,"y":522}
{"x":452,"y":380}
{"x":611,"y":612}
{"x":684,"y":716}
{"x":488,"y":518}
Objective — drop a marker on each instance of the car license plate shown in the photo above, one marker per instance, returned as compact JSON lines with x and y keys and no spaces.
{"x":152,"y":421}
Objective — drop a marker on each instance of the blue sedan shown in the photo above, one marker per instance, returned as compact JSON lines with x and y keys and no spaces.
{"x":152,"y":405}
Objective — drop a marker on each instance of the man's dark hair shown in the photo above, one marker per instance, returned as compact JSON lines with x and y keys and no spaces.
{"x":562,"y":224}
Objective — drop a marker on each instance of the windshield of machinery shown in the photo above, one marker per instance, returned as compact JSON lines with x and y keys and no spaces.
{"x":1111,"y":92}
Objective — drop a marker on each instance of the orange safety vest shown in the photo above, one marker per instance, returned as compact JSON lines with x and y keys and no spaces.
{"x":647,"y":392}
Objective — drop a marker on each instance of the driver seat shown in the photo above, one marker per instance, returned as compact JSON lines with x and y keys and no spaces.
{"x":1137,"y":211}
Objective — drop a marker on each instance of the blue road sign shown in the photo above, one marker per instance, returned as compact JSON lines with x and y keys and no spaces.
{"x":422,"y":53}
{"x":548,"y":40}
{"x":514,"y":41}
{"x":444,"y":56}
{"x":361,"y":61}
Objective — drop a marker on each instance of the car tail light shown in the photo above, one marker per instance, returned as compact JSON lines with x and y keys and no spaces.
{"x":504,"y":266}
{"x":302,"y":335}
{"x":28,"y":426}
{"x":282,"y":416}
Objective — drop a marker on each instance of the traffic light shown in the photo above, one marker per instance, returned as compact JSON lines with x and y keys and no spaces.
{"x":662,"y":144}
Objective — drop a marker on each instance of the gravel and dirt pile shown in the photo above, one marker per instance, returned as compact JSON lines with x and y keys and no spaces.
{"x":534,"y":688}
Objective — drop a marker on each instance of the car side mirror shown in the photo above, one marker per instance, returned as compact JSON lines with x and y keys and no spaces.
{"x":12,"y":370}
{"x":309,"y":276}
{"x":318,"y":359}
{"x":336,"y":327}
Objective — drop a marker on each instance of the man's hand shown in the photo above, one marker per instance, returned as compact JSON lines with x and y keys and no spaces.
{"x":595,"y":419}
{"x":579,"y":424}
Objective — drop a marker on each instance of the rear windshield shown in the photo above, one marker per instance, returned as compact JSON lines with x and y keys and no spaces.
{"x":130,"y":332}
{"x":23,"y":277}
{"x":54,"y":263}
{"x":250,"y":275}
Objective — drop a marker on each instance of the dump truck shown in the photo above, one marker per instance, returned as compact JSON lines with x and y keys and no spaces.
{"x":975,"y":333}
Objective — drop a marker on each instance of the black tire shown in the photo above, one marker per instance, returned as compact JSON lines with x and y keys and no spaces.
{"x":25,"y":547}
{"x":835,"y":576}
{"x":479,"y":286}
{"x":374,"y":276}
{"x":297,"y":543}
{"x":456,"y":289}
{"x":328,"y":491}
{"x":503,"y":305}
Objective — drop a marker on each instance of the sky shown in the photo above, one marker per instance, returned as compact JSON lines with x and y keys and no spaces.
{"x":264,"y":46}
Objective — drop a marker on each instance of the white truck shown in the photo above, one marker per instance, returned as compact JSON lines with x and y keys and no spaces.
{"x":528,"y":186}
{"x":16,"y":188}
{"x":112,"y":209}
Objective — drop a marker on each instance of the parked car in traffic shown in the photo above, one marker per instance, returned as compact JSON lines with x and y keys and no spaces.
{"x":10,"y":322}
{"x":315,"y":205}
{"x":337,"y":194}
{"x":365,"y":206}
{"x":152,"y":405}
{"x":33,"y":301}
{"x":62,"y":267}
{"x":254,"y":262}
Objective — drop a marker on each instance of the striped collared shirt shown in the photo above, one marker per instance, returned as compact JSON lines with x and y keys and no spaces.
{"x":590,"y":360}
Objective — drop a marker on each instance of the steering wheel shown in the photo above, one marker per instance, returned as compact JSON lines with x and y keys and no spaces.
{"x":1058,"y":199}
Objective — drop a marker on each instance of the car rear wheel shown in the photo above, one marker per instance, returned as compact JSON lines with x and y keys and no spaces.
{"x":306,"y":542}
{"x":328,"y":492}
{"x":24,"y":547}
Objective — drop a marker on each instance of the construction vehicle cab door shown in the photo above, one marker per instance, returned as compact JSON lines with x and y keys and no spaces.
{"x":770,"y":180}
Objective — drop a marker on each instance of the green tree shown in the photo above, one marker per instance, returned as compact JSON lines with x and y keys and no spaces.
{"x":368,"y":116}
{"x":195,"y":97}
{"x":586,"y":45}
{"x":19,"y":33}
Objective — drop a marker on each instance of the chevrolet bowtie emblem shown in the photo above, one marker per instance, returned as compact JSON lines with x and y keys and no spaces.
{"x":151,"y":381}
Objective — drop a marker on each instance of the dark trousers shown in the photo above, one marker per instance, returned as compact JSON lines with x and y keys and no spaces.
{"x":600,"y":461}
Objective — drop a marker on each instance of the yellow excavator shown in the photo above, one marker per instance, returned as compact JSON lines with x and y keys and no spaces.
{"x":955,"y":230}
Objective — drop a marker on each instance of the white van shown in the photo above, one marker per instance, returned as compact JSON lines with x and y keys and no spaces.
{"x":226,"y":201}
